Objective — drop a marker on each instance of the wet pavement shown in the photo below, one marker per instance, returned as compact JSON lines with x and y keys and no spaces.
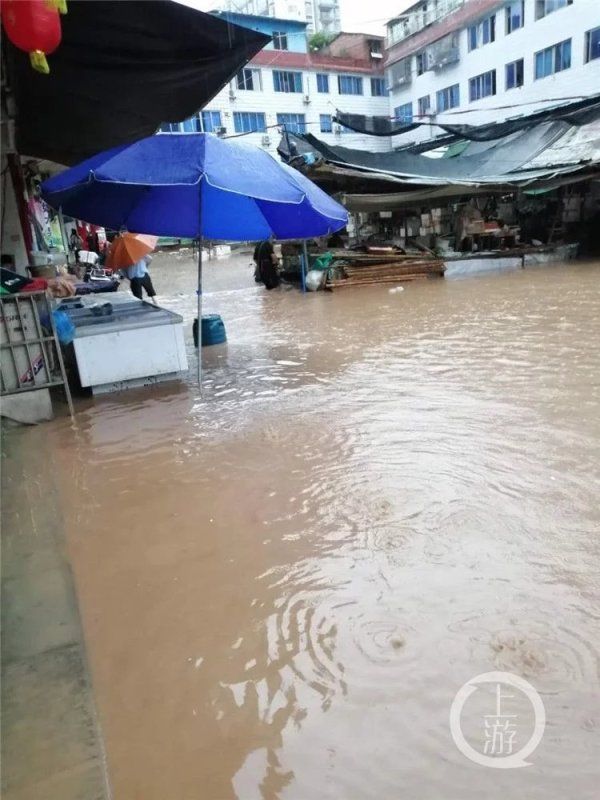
{"x":379,"y":496}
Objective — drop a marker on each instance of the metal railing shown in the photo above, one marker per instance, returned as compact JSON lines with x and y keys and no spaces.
{"x":30,"y":354}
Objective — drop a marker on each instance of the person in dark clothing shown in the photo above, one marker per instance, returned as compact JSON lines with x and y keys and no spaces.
{"x":93,"y":242}
{"x":75,"y":244}
{"x":266,"y":265}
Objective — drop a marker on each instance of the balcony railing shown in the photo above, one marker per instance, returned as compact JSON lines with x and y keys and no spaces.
{"x":405,"y":26}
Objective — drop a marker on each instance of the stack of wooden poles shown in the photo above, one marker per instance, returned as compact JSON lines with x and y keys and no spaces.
{"x":366,"y":269}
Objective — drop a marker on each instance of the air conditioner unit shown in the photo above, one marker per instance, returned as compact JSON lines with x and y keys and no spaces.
{"x":306,"y":99}
{"x":221,"y":131}
{"x":265,"y":141}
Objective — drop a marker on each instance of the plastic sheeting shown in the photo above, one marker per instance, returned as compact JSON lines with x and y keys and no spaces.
{"x":189,"y":185}
{"x":121,"y":70}
{"x":492,"y":164}
{"x":578,"y":113}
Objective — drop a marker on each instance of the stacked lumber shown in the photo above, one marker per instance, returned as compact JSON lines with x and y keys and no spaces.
{"x":366,"y":269}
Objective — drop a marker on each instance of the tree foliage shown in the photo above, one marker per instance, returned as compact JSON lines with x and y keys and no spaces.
{"x":319,"y":40}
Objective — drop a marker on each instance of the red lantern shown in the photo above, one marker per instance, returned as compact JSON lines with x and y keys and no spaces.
{"x":32,"y":26}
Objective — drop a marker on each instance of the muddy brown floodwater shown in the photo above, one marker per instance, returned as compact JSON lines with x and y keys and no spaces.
{"x":378,"y":497}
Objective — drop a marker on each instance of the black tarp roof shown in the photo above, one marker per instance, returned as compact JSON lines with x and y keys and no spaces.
{"x":123,"y":67}
{"x":533,"y":153}
{"x":575,"y":113}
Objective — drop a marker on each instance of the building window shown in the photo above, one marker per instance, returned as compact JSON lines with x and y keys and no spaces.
{"x":553,"y":59}
{"x":545,"y":7}
{"x":325,"y":123}
{"x":249,"y":80}
{"x":294,"y":123}
{"x":170,"y":127}
{"x":592,"y":44}
{"x":211,"y":121}
{"x":350,"y":84}
{"x":514,"y":74}
{"x":400,"y":73}
{"x":191,"y":125}
{"x":287,"y":81}
{"x":249,"y":122}
{"x":280,"y":41}
{"x":424,"y":104}
{"x":448,"y":98}
{"x":322,"y":83}
{"x":378,"y":87}
{"x":404,"y":113}
{"x":421,"y":62}
{"x":483,"y":85}
{"x":482,"y":33}
{"x":515,"y":16}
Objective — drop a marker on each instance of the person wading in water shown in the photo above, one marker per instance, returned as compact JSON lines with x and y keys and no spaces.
{"x":266,"y":264}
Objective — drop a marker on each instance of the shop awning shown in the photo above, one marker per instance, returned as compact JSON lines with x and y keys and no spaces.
{"x":123,"y":68}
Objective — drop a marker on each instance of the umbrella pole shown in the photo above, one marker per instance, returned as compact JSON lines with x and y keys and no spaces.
{"x":200,"y":314}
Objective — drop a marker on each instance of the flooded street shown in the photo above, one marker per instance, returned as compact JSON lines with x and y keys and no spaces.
{"x":379,"y":496}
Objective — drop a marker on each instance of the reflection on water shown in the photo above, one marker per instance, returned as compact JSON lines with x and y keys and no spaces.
{"x":378,"y":497}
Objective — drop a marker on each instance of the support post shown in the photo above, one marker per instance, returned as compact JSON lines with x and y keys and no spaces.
{"x":63,"y":233}
{"x":304,"y":264}
{"x":16,"y":174}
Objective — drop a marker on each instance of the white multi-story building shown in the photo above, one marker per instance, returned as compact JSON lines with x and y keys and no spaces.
{"x":479,"y":61}
{"x":319,"y":15}
{"x":287,"y":88}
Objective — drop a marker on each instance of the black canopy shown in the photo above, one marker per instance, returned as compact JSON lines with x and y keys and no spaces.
{"x":577,"y":113}
{"x":123,"y":67}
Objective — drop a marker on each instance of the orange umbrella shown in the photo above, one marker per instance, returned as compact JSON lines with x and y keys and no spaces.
{"x":128,"y":248}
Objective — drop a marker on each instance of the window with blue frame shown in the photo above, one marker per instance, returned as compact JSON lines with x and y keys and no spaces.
{"x":284,"y":81}
{"x":191,"y":125}
{"x":378,"y":87}
{"x":483,"y":85}
{"x":404,"y":113}
{"x":515,"y":74}
{"x":211,"y":121}
{"x":249,"y":122}
{"x":322,"y":83}
{"x":553,"y":59}
{"x":592,"y":44}
{"x":448,"y":97}
{"x":325,"y":124}
{"x":294,"y":123}
{"x":515,"y":16}
{"x":350,"y":84}
{"x":482,"y":33}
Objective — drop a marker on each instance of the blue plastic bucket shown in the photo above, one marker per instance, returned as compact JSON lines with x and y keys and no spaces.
{"x":213,"y":330}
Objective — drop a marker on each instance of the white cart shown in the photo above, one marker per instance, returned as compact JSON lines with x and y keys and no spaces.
{"x":136,"y":344}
